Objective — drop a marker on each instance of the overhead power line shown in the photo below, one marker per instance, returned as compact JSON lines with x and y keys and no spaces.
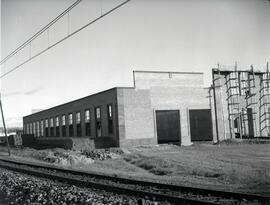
{"x":63,"y":39}
{"x":40,"y":32}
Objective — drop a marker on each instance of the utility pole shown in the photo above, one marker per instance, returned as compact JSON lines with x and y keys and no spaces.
{"x":4,"y":125}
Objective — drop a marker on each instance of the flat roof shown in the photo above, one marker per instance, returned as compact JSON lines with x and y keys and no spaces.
{"x":176,"y":72}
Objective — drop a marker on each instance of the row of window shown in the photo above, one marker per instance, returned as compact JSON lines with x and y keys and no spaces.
{"x":41,"y":128}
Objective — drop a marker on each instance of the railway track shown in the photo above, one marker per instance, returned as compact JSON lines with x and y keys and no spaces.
{"x":141,"y":189}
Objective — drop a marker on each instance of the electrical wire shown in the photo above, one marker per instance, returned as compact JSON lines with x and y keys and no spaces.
{"x":63,"y":39}
{"x":40,"y":32}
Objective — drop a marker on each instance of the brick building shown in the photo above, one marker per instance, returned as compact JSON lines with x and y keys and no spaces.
{"x":161,"y":107}
{"x":241,"y":103}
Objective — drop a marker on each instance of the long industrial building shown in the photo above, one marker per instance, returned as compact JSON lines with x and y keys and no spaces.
{"x":161,"y":107}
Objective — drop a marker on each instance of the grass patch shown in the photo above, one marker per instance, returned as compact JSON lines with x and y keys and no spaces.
{"x":248,"y":176}
{"x":152,"y":164}
{"x":202,"y":173}
{"x":244,"y":141}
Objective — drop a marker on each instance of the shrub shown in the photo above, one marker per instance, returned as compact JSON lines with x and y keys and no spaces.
{"x":154,"y":165}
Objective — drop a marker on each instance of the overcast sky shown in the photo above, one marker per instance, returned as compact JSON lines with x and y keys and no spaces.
{"x":169,"y":35}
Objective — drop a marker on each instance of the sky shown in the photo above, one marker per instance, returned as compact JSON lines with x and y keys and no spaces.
{"x":160,"y":35}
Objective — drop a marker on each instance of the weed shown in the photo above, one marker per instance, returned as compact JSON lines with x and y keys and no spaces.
{"x":152,"y":164}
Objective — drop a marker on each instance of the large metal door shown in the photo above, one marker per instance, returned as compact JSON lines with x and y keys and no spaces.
{"x":168,"y":126}
{"x":250,"y":122}
{"x":200,"y":125}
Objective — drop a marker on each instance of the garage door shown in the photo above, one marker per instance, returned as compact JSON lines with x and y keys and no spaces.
{"x":200,"y":125}
{"x":168,"y":126}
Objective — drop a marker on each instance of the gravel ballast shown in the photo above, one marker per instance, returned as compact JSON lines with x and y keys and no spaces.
{"x":20,"y":188}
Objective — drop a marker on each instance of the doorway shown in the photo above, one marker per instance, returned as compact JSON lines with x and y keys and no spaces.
{"x":201,"y":125}
{"x":168,"y":126}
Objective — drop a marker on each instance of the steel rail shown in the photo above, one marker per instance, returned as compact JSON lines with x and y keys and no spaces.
{"x":161,"y":186}
{"x":107,"y":187}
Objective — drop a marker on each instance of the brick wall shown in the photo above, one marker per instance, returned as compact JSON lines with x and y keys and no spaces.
{"x":179,"y":98}
{"x":163,"y":91}
{"x":136,"y":122}
{"x":101,"y":99}
{"x":147,"y":79}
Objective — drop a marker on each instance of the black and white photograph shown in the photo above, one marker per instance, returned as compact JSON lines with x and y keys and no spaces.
{"x":135,"y":102}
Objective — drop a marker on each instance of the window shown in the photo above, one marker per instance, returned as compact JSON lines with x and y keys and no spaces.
{"x":98,"y":113}
{"x":78,"y":118}
{"x":87,"y":122}
{"x":78,"y":124}
{"x":70,"y":122}
{"x":87,"y":116}
{"x":57,"y":126}
{"x":110,"y":119}
{"x":41,"y":128}
{"x":63,"y":120}
{"x":57,"y":121}
{"x":38,"y":130}
{"x":24,"y":128}
{"x":30,"y":130}
{"x":98,"y":121}
{"x":63,"y":125}
{"x":34,"y":128}
{"x":27,"y":129}
{"x":46,"y":128}
{"x":51,"y":127}
{"x":70,"y":119}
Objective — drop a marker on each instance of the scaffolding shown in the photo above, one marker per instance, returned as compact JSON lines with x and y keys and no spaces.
{"x":242,"y":103}
{"x":234,"y":110}
{"x":249,"y":112}
{"x":264,"y":107}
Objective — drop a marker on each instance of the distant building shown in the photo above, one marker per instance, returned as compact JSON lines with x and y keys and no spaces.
{"x":161,"y":107}
{"x":241,"y":102}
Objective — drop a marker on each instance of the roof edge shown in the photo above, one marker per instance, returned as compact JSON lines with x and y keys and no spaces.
{"x":176,"y":72}
{"x":72,"y":101}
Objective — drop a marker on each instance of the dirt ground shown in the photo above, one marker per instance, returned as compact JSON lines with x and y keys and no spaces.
{"x":231,"y":167}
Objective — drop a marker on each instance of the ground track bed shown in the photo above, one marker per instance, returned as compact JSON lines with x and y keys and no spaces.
{"x":140,"y":191}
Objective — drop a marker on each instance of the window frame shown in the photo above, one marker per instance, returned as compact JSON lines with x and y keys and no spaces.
{"x":85,"y":116}
{"x":98,"y":121}
{"x":87,"y":122}
{"x":41,"y":128}
{"x":38,"y":129}
{"x":70,"y":119}
{"x":78,"y":113}
{"x":78,"y":121}
{"x":110,"y":118}
{"x":70,"y":125}
{"x":52,"y":132}
{"x":33,"y":127}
